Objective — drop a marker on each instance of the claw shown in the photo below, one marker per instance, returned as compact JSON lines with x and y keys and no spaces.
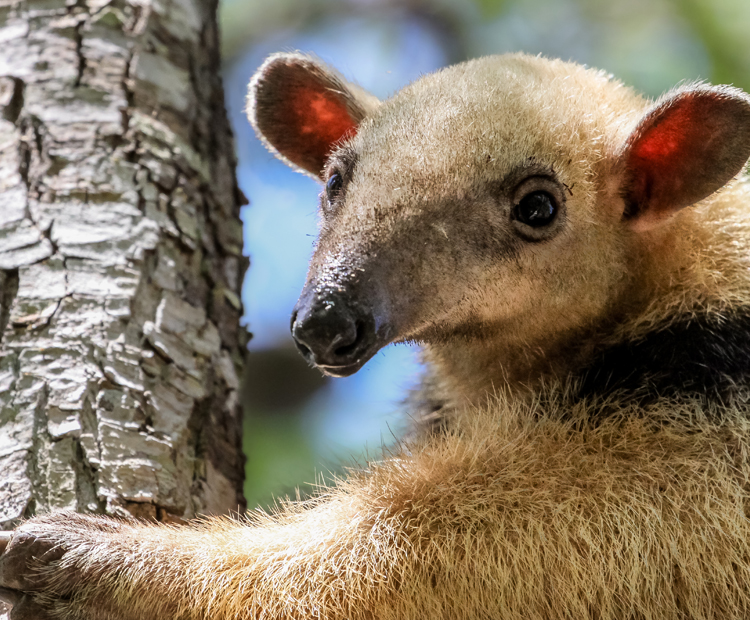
{"x":25,"y":607}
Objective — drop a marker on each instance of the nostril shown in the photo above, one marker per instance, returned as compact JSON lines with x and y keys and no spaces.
{"x":304,"y":349}
{"x":346,"y":349}
{"x":301,"y":346}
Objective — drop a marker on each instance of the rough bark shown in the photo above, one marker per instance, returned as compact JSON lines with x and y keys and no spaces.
{"x":120,"y":262}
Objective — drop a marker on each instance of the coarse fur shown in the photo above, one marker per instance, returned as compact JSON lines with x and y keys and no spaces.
{"x":584,"y":449}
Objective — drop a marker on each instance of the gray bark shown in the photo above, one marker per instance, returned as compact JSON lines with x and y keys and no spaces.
{"x":120,"y":262}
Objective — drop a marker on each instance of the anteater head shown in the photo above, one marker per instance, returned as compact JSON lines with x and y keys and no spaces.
{"x":506,"y":194}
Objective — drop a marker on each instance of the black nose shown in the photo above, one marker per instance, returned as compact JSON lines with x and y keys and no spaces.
{"x":333,"y":335}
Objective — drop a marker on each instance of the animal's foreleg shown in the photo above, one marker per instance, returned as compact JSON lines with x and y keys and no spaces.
{"x":328,"y":561}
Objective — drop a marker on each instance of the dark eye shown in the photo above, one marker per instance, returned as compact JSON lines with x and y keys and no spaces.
{"x":333,"y":185}
{"x":536,"y":209}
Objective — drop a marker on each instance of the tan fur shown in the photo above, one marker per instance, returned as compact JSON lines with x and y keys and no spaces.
{"x":517,"y":516}
{"x":562,"y":116}
{"x":565,"y":118}
{"x":529,"y":506}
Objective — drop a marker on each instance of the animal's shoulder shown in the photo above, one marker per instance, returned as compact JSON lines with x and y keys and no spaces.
{"x":705,"y":355}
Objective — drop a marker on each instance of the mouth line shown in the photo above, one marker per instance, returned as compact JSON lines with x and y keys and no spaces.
{"x":341,"y":370}
{"x":345,"y":370}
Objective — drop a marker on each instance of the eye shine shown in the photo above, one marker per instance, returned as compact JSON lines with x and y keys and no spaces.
{"x":333,"y":186}
{"x":536,"y":209}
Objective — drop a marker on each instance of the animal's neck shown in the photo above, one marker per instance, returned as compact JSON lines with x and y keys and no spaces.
{"x":470,"y":371}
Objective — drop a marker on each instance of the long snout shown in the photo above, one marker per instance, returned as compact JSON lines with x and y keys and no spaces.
{"x":334,"y":332}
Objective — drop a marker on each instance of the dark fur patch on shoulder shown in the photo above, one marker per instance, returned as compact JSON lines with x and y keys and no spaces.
{"x":698,"y":357}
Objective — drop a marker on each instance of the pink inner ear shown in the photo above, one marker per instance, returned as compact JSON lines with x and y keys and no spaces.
{"x":319,"y":118}
{"x":303,"y":110}
{"x":323,"y":119}
{"x":667,"y":143}
{"x":683,"y":150}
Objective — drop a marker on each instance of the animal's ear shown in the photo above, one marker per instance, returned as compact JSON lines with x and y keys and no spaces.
{"x":300,"y":109}
{"x":688,"y":145}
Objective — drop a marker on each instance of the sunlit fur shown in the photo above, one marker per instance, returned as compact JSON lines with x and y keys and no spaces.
{"x":530,"y":505}
{"x":517,"y":515}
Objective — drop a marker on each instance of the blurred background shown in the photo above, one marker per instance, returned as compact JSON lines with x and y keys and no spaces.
{"x":299,"y":426}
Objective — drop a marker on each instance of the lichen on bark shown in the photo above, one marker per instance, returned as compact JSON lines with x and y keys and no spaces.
{"x":120,"y":262}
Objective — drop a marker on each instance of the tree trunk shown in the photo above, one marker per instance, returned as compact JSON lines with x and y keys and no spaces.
{"x":120,"y":262}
